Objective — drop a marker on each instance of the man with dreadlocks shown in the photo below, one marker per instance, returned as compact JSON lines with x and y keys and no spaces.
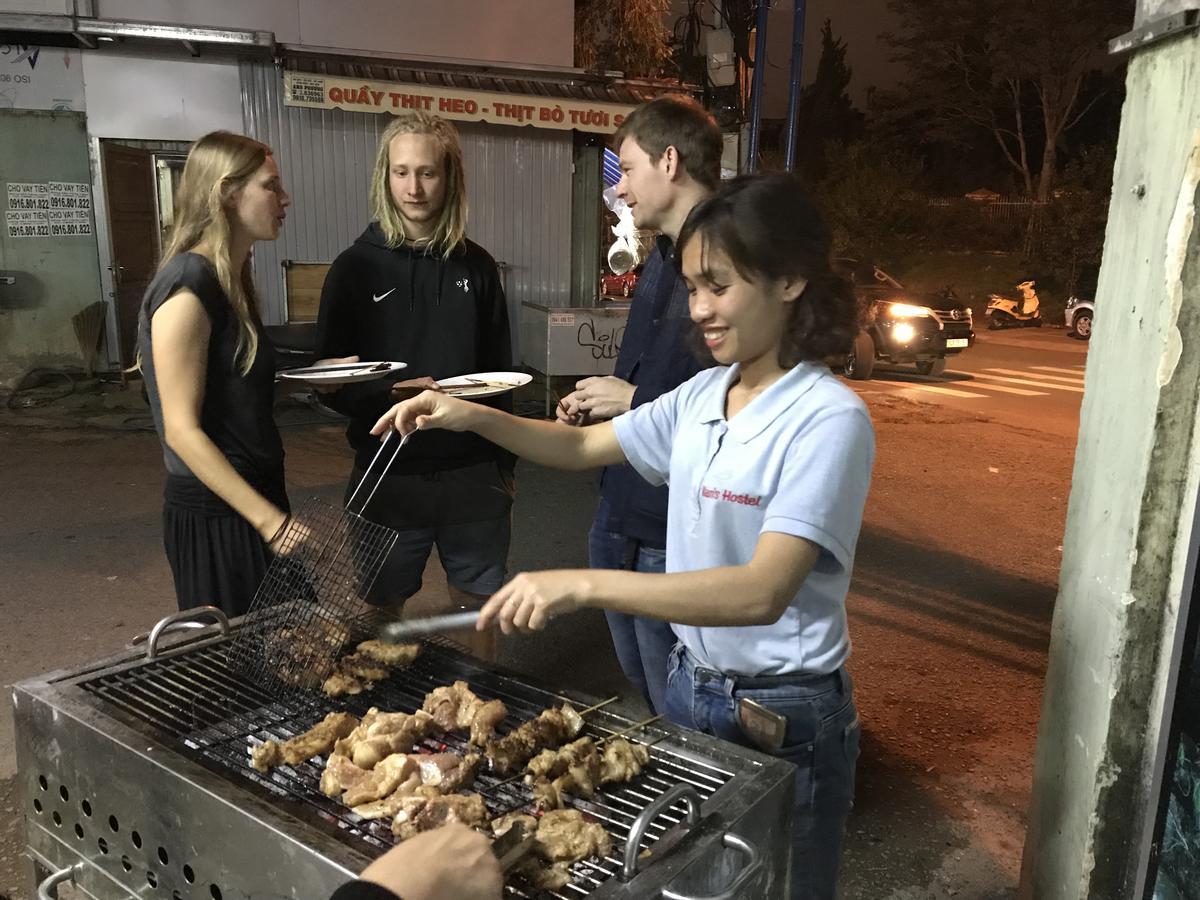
{"x":413,"y":288}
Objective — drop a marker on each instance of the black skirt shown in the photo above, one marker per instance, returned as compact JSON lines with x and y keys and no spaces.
{"x":217,"y":558}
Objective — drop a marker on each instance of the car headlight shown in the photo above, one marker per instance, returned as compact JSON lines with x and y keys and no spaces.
{"x":1071,"y":302}
{"x":908,"y":311}
{"x":903,"y":332}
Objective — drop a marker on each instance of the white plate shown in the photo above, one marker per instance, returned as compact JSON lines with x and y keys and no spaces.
{"x":483,"y":384}
{"x":343,"y":373}
{"x":957,"y":342}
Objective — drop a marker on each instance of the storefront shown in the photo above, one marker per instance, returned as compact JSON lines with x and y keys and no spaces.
{"x":532,"y":143}
{"x":140,"y":93}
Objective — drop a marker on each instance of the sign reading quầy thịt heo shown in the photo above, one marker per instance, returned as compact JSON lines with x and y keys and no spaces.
{"x":559,"y":113}
{"x":48,"y":209}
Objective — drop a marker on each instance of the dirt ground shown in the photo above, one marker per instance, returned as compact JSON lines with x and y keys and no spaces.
{"x":950,"y":613}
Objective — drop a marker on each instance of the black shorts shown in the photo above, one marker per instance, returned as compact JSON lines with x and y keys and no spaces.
{"x":465,"y":512}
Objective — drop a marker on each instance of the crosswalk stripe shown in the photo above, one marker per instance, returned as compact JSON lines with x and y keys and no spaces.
{"x":1021,"y":372}
{"x":1026,"y":381}
{"x":1020,"y":392}
{"x":941,"y":390}
{"x":1074,"y":371}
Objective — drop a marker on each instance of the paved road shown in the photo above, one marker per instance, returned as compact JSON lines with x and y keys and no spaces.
{"x":1032,"y":378}
{"x":950,"y":609}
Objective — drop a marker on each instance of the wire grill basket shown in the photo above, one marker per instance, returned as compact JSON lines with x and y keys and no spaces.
{"x":311,"y":603}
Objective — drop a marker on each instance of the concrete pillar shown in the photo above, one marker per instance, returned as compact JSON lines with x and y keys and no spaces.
{"x":1133,"y":500}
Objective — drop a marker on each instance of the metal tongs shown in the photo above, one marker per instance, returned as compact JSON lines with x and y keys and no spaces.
{"x":512,"y":846}
{"x":371,"y":468}
{"x":398,"y":632}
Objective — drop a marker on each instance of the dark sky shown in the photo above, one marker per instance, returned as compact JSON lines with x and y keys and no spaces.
{"x":858,"y":22}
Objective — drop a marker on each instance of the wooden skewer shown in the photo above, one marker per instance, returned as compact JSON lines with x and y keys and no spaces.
{"x":509,"y":780}
{"x":631,"y":728}
{"x":593,"y":708}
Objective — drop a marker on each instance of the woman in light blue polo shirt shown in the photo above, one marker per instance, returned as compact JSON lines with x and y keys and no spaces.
{"x":768,"y":457}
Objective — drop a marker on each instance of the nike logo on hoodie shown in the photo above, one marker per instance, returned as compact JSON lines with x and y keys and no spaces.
{"x":379,"y":297}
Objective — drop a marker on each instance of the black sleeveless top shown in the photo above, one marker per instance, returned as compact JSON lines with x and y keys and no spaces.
{"x":237,"y":411}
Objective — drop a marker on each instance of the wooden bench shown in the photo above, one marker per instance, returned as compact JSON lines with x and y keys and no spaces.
{"x":302,"y":289}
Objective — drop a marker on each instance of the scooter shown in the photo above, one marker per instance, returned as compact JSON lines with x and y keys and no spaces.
{"x":1006,"y":312}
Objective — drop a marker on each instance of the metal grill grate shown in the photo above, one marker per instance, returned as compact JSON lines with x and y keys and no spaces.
{"x":198,"y":697}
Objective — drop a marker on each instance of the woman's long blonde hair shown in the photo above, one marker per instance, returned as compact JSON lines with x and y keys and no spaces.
{"x":452,"y":223}
{"x":218,"y":165}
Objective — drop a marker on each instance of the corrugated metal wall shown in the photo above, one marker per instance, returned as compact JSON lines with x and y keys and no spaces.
{"x":518,"y":184}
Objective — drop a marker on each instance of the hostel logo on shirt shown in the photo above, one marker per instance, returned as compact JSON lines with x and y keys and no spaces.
{"x":712,"y":493}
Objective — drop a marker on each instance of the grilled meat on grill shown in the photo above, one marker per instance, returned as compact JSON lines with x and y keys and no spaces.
{"x":317,"y":740}
{"x":552,"y":763}
{"x":580,"y":767}
{"x":384,"y":778}
{"x":381,"y":734}
{"x":394,"y":802}
{"x":542,"y":875}
{"x":581,"y":779}
{"x":437,"y":773}
{"x":550,"y":729}
{"x":561,"y":837}
{"x":420,"y":813}
{"x":389,"y":654}
{"x":372,"y":661}
{"x":302,"y":655}
{"x":339,"y":684}
{"x":622,"y":761}
{"x":359,"y":665}
{"x":449,"y":772}
{"x":456,"y":706}
{"x":354,"y":674}
{"x":340,"y":775}
{"x":501,"y":824}
{"x":564,"y":835}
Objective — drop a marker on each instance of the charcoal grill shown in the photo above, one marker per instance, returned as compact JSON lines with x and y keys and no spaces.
{"x":136,"y":781}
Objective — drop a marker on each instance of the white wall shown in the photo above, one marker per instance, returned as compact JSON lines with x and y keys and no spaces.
{"x":540,"y":32}
{"x":537,"y":32}
{"x":160,"y":99}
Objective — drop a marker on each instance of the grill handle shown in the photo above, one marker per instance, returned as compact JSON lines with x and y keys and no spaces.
{"x":48,"y":888}
{"x":179,"y":621}
{"x":660,"y":805}
{"x":692,"y":802}
{"x":749,"y":871}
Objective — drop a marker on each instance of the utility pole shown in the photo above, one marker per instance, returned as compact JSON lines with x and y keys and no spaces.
{"x":793,"y":112}
{"x":756,"y":84}
{"x":1119,"y":642}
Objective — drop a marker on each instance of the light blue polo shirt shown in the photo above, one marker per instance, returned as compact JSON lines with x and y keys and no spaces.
{"x":797,"y":460}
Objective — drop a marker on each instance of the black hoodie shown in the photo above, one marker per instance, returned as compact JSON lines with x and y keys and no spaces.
{"x":443,"y":317}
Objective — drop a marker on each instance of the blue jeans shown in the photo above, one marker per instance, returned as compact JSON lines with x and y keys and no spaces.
{"x":822,"y":739}
{"x":642,"y":644}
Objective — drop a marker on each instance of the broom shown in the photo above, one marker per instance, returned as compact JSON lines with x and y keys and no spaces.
{"x":89,"y":326}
